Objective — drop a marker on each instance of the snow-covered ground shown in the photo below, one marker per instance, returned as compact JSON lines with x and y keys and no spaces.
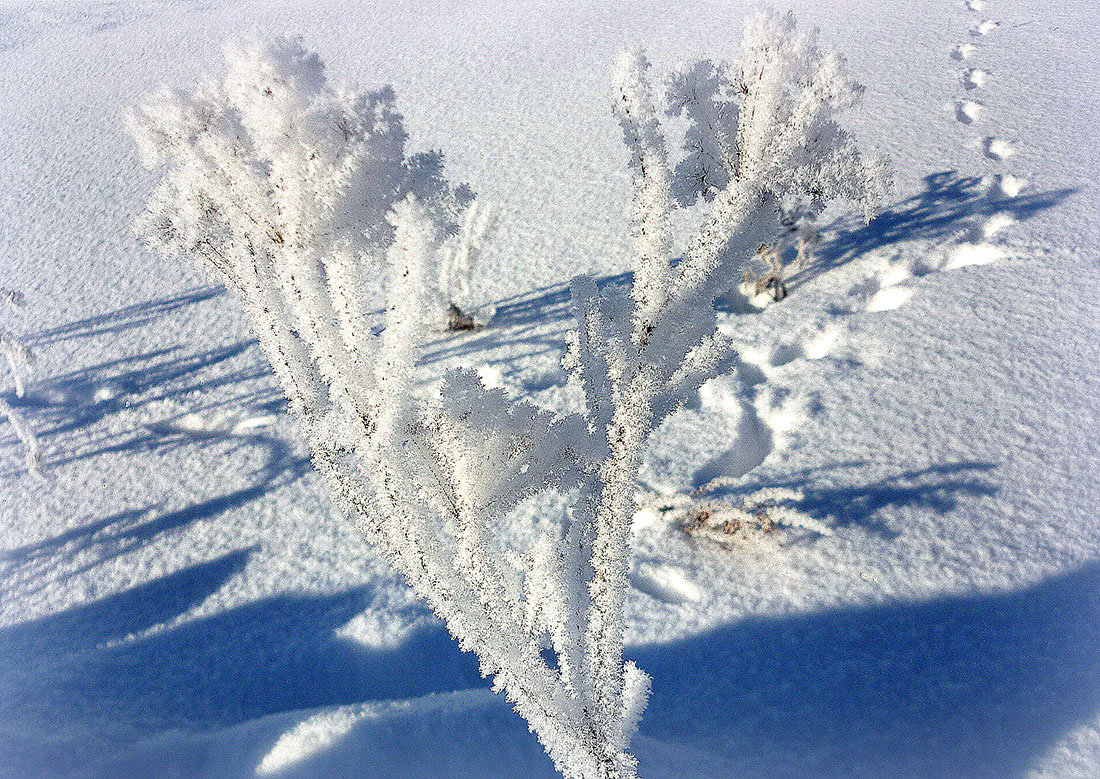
{"x":178,"y":598}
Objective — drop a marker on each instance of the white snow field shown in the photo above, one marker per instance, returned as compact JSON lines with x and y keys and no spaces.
{"x":178,"y":597}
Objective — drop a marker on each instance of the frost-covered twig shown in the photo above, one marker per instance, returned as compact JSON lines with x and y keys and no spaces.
{"x":19,"y":359}
{"x":32,"y":452}
{"x":458,"y":259}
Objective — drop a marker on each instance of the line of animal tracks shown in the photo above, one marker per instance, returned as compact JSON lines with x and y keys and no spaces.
{"x":970,"y":110}
{"x":760,"y":407}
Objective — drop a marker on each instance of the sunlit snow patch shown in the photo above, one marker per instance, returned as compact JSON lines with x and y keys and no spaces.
{"x":996,"y":223}
{"x":383,"y":629}
{"x":973,"y":254}
{"x":1011,"y":186}
{"x":822,"y":344}
{"x":316,"y":733}
{"x":326,"y":728}
{"x":889,"y":298}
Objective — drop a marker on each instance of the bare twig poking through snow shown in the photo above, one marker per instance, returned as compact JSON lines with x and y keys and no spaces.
{"x":289,"y":190}
{"x":729,"y":521}
{"x":459,"y":256}
{"x":18,"y":359}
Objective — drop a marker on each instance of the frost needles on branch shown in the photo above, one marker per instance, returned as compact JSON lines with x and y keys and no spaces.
{"x":294,"y":192}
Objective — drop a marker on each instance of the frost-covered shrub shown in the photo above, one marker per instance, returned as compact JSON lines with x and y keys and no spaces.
{"x":18,"y":358}
{"x":293,"y":191}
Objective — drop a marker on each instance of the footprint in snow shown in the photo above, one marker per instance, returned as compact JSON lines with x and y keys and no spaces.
{"x":963,"y":51}
{"x":976,"y":5}
{"x":968,"y":253}
{"x":968,"y":111}
{"x":884,"y":291}
{"x":984,"y":27}
{"x":1011,"y":186}
{"x":665,"y":583}
{"x":974,"y":78}
{"x":889,"y":298}
{"x":815,"y":345}
{"x":996,"y":149}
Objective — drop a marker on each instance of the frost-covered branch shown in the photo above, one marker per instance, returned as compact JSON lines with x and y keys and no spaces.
{"x":765,"y":153}
{"x":458,"y":260}
{"x":764,"y":148}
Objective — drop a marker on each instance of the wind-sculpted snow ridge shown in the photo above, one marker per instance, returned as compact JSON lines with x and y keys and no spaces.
{"x":289,"y":191}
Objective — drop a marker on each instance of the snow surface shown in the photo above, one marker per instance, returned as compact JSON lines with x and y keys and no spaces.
{"x":179,"y":599}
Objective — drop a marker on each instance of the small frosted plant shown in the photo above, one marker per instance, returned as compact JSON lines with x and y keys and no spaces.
{"x":458,"y":259}
{"x":19,"y":359}
{"x":293,"y":192}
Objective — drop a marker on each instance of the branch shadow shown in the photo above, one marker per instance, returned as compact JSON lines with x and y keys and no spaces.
{"x":124,"y":532}
{"x":950,"y":206}
{"x":840,"y":502}
{"x":937,"y":488}
{"x":533,"y":322}
{"x":64,"y":409}
{"x":976,"y":685}
{"x":125,"y":318}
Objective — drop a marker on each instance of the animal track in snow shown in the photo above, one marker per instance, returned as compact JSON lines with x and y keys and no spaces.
{"x":822,"y":343}
{"x":996,"y":223}
{"x":665,"y":583}
{"x":974,"y":78}
{"x":984,"y":27}
{"x":963,"y":51}
{"x":886,"y":290}
{"x":808,"y":344}
{"x":973,"y":254}
{"x":753,"y":439}
{"x":968,"y":111}
{"x":974,"y":246}
{"x":1011,"y":186}
{"x":889,"y":298}
{"x":996,"y":149}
